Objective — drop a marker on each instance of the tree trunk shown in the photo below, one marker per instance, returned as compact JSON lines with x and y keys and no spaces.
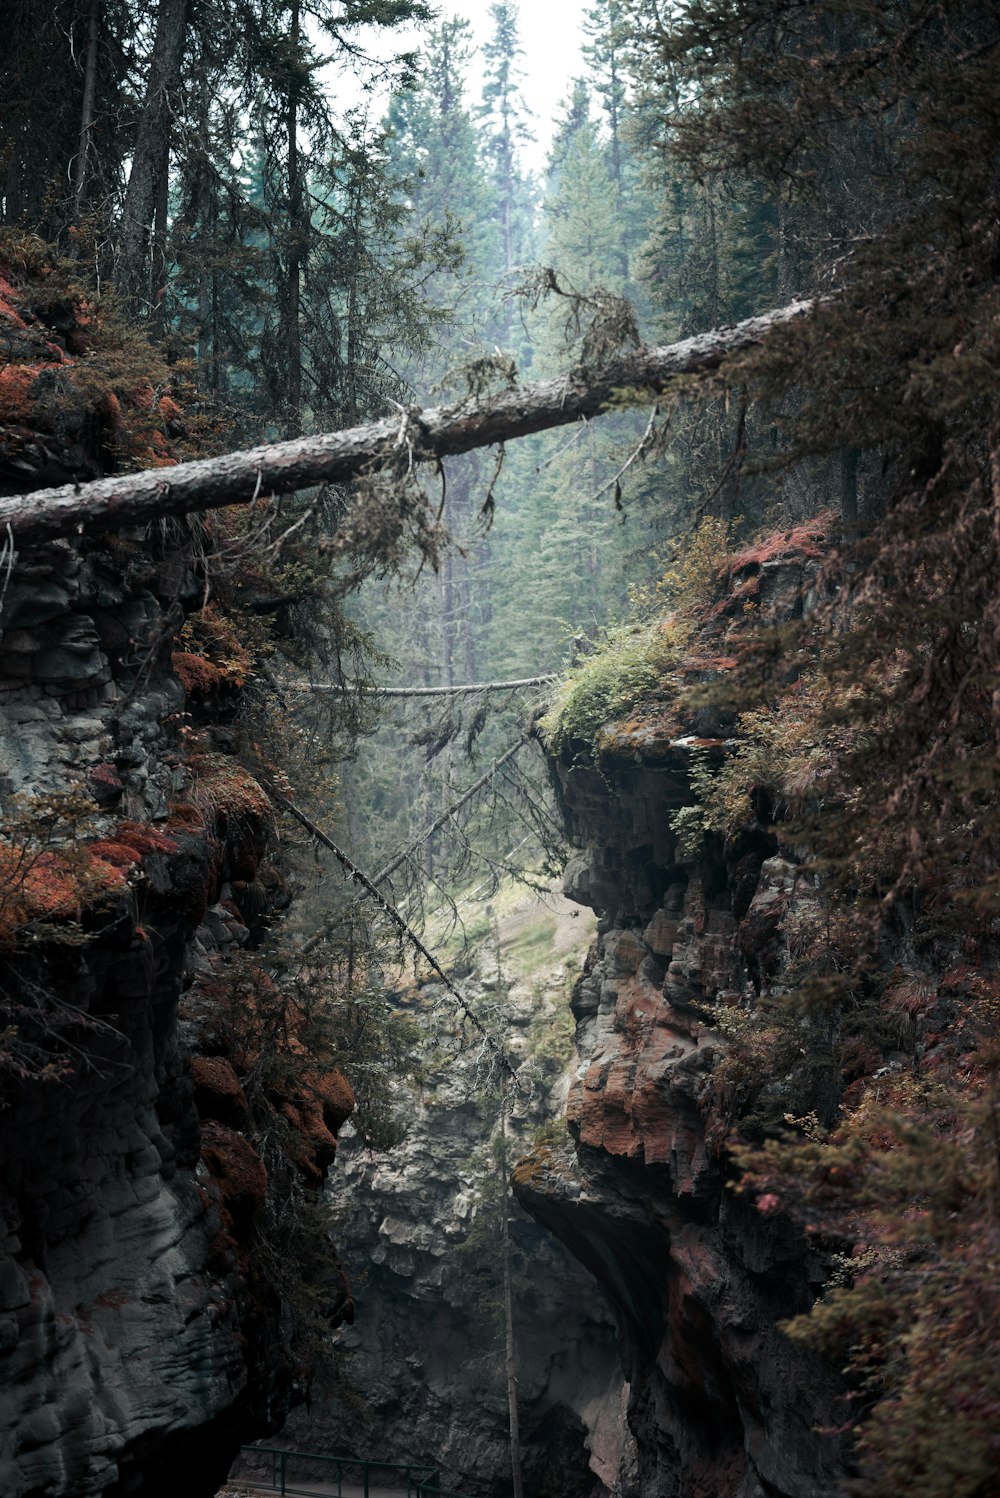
{"x":849,"y":487}
{"x":152,"y":147}
{"x":158,"y":250}
{"x":510,"y":1359}
{"x":87,"y":109}
{"x":296,"y":233}
{"x":391,"y":444}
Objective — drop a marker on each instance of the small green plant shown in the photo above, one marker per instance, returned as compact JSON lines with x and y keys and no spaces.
{"x":629,"y":662}
{"x":552,"y":1135}
{"x":634,"y":658}
{"x":550,"y":1038}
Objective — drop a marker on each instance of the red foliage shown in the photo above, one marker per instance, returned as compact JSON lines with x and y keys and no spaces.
{"x":119,"y":855}
{"x":809,"y":541}
{"x":196,"y":673}
{"x":8,"y":304}
{"x":16,"y":381}
{"x":50,"y":886}
{"x":145,"y":838}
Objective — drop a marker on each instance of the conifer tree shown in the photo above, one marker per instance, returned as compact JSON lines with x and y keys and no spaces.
{"x":606,"y":31}
{"x":506,"y":117}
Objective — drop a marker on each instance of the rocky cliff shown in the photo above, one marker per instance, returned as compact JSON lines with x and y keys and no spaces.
{"x":692,"y":931}
{"x":138,"y":1336}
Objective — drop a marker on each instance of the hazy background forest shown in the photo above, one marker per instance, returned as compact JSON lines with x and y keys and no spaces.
{"x":307,"y":267}
{"x":271,"y":265}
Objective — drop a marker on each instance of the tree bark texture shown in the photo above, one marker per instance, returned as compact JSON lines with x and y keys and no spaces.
{"x":81,"y":163}
{"x":392,"y":444}
{"x":152,"y":146}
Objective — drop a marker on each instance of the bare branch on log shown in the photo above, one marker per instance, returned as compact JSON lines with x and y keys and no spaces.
{"x":337,"y":457}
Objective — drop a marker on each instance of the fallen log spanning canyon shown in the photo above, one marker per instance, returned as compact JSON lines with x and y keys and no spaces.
{"x":410,"y":436}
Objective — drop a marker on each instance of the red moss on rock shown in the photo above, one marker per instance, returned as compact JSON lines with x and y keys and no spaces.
{"x":335,"y":1094}
{"x":16,"y":381}
{"x":235,"y":1166}
{"x":50,"y":886}
{"x":145,"y":838}
{"x":8,"y":303}
{"x":217,"y":1090}
{"x":809,"y":540}
{"x":199,"y":676}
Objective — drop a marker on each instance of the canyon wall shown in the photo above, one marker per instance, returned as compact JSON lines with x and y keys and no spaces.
{"x":419,"y":1376}
{"x":139,"y":1339}
{"x":721,"y":1404}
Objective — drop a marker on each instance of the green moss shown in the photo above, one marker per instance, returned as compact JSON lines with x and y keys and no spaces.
{"x":527,"y":950}
{"x":635,"y":658}
{"x":628,"y":663}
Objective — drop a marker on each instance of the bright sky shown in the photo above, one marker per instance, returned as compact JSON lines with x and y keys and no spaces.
{"x":550,"y":40}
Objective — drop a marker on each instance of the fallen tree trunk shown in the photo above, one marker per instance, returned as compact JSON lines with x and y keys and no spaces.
{"x":394,"y":442}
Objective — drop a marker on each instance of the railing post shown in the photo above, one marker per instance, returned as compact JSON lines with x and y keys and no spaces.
{"x":284,"y":1467}
{"x":365,"y":1469}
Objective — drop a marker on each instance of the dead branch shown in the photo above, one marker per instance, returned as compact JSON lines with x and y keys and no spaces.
{"x":402,"y":926}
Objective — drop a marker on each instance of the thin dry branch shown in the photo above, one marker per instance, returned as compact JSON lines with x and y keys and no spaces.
{"x":402,"y":926}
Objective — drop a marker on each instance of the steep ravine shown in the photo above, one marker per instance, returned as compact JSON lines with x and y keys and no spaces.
{"x":138,"y":1337}
{"x":419,"y":1374}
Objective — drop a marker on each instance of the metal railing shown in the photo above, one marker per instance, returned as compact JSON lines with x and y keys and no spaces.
{"x":420,"y":1481}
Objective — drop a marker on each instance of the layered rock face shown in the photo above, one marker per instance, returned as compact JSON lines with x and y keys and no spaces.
{"x":721,"y":1404}
{"x":137,"y":1339}
{"x":128,"y":1330}
{"x":422,"y":1368}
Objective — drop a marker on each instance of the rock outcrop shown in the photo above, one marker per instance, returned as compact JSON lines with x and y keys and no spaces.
{"x":721,"y":1404}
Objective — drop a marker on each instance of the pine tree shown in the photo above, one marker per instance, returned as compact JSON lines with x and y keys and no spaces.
{"x":507,"y":122}
{"x":605,"y":27}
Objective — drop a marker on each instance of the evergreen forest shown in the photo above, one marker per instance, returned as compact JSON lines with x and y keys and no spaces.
{"x":407,"y":503}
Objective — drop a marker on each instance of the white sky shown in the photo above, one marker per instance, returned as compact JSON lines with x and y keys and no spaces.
{"x":550,"y":41}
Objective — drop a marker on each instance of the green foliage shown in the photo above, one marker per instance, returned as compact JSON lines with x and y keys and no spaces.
{"x":551,"y":1039}
{"x":628,"y":663}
